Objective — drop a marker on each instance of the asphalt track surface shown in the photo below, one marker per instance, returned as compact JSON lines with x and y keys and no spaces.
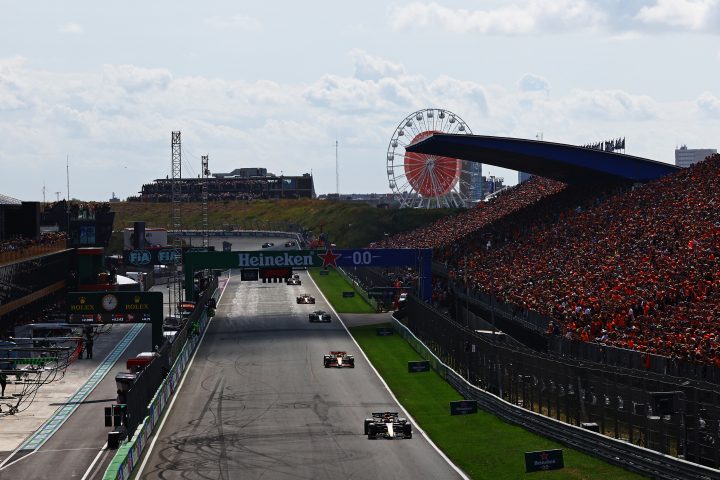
{"x":258,"y":403}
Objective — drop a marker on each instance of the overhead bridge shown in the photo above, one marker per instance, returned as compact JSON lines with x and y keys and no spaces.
{"x":567,"y":163}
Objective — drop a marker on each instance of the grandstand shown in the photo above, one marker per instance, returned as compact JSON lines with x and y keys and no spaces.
{"x":612,"y":287}
{"x":37,"y":261}
{"x":240,"y":184}
{"x":628,"y":267}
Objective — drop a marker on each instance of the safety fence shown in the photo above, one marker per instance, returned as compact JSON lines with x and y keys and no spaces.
{"x":530,"y":327}
{"x":554,"y":397}
{"x":128,"y":455}
{"x":358,"y":287}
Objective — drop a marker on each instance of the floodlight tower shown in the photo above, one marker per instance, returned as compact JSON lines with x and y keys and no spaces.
{"x":205,"y":175}
{"x":176,"y":221}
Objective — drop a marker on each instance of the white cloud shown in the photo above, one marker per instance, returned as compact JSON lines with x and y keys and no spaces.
{"x":123,"y":114}
{"x":71,"y":29}
{"x":533,"y":83}
{"x":709,"y":103}
{"x":525,"y":17}
{"x":610,"y":105}
{"x":368,"y":67}
{"x":682,"y":14}
{"x":234,"y":22}
{"x":533,"y":16}
{"x":134,"y":79}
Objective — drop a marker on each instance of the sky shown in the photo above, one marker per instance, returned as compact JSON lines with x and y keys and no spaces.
{"x":102,"y":85}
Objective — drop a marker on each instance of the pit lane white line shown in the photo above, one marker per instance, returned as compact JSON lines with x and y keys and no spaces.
{"x":415,"y":424}
{"x":92,"y":465}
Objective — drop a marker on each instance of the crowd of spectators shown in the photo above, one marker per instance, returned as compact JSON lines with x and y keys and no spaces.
{"x":19,"y":244}
{"x":634,"y":268}
{"x":78,"y":210}
{"x":450,"y":230}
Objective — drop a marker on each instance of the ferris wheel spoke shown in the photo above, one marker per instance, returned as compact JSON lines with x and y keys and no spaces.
{"x":423,"y":179}
{"x":413,"y":168}
{"x":437,"y":184}
{"x":405,"y":185}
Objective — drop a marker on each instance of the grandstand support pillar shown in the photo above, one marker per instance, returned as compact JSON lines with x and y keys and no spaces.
{"x":425,"y":280}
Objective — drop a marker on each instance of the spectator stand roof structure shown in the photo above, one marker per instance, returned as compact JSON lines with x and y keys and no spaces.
{"x":5,"y":200}
{"x":567,"y":163}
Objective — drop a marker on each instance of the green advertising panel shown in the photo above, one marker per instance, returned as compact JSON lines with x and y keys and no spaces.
{"x":135,"y":307}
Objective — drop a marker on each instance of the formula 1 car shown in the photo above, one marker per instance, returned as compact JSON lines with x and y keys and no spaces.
{"x":294,"y":280}
{"x":267,"y":245}
{"x":387,"y":425}
{"x":305,"y":298}
{"x":319,"y":316}
{"x":290,"y":244}
{"x":339,"y":360}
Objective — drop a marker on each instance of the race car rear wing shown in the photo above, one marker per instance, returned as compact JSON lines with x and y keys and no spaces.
{"x":382,"y":414}
{"x":337,"y":353}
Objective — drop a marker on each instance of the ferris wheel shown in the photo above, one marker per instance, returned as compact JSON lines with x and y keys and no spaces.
{"x":421,"y":180}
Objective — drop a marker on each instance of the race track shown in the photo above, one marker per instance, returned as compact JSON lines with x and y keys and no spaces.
{"x":258,"y":403}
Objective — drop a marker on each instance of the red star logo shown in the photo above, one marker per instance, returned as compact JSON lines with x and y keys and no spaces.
{"x":330,"y":258}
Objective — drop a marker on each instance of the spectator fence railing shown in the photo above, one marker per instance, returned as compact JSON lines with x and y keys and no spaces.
{"x":619,"y":402}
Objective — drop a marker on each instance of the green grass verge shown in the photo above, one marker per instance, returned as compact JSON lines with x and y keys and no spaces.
{"x":482,"y":445}
{"x":333,"y":285}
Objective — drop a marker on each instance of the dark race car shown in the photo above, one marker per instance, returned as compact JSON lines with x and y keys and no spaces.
{"x":293,"y":281}
{"x":305,"y":298}
{"x":339,"y":360}
{"x":268,"y":245}
{"x":290,"y":244}
{"x":387,"y":425}
{"x":319,"y":316}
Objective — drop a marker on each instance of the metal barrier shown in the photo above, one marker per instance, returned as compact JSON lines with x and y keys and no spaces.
{"x":533,"y":326}
{"x":357,"y":286}
{"x":513,"y":399}
{"x":618,"y":400}
{"x":129,"y":454}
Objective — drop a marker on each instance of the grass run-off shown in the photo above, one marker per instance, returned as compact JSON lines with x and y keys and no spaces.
{"x":333,"y":286}
{"x":482,"y":445}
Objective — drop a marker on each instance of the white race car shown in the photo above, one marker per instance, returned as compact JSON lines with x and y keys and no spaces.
{"x":339,"y":359}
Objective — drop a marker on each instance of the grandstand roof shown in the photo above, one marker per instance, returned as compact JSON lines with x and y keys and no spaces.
{"x":566,"y":163}
{"x":5,"y":200}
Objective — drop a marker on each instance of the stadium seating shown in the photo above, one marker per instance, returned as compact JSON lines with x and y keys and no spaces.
{"x":633,"y":268}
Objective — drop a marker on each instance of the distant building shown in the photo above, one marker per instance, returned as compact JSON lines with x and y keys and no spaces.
{"x":492,"y":184}
{"x":243,"y":173}
{"x":240,"y":184}
{"x":475,"y":181}
{"x":684,"y":157}
{"x":524,"y":177}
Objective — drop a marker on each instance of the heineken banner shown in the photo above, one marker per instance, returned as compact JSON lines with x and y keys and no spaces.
{"x":377,"y":257}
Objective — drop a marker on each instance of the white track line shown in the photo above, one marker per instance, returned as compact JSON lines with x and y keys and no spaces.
{"x":156,"y":435}
{"x":4,"y":466}
{"x":417,"y":427}
{"x":92,"y":465}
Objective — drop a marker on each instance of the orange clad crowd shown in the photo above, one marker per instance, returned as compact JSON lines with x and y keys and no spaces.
{"x":633,"y":268}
